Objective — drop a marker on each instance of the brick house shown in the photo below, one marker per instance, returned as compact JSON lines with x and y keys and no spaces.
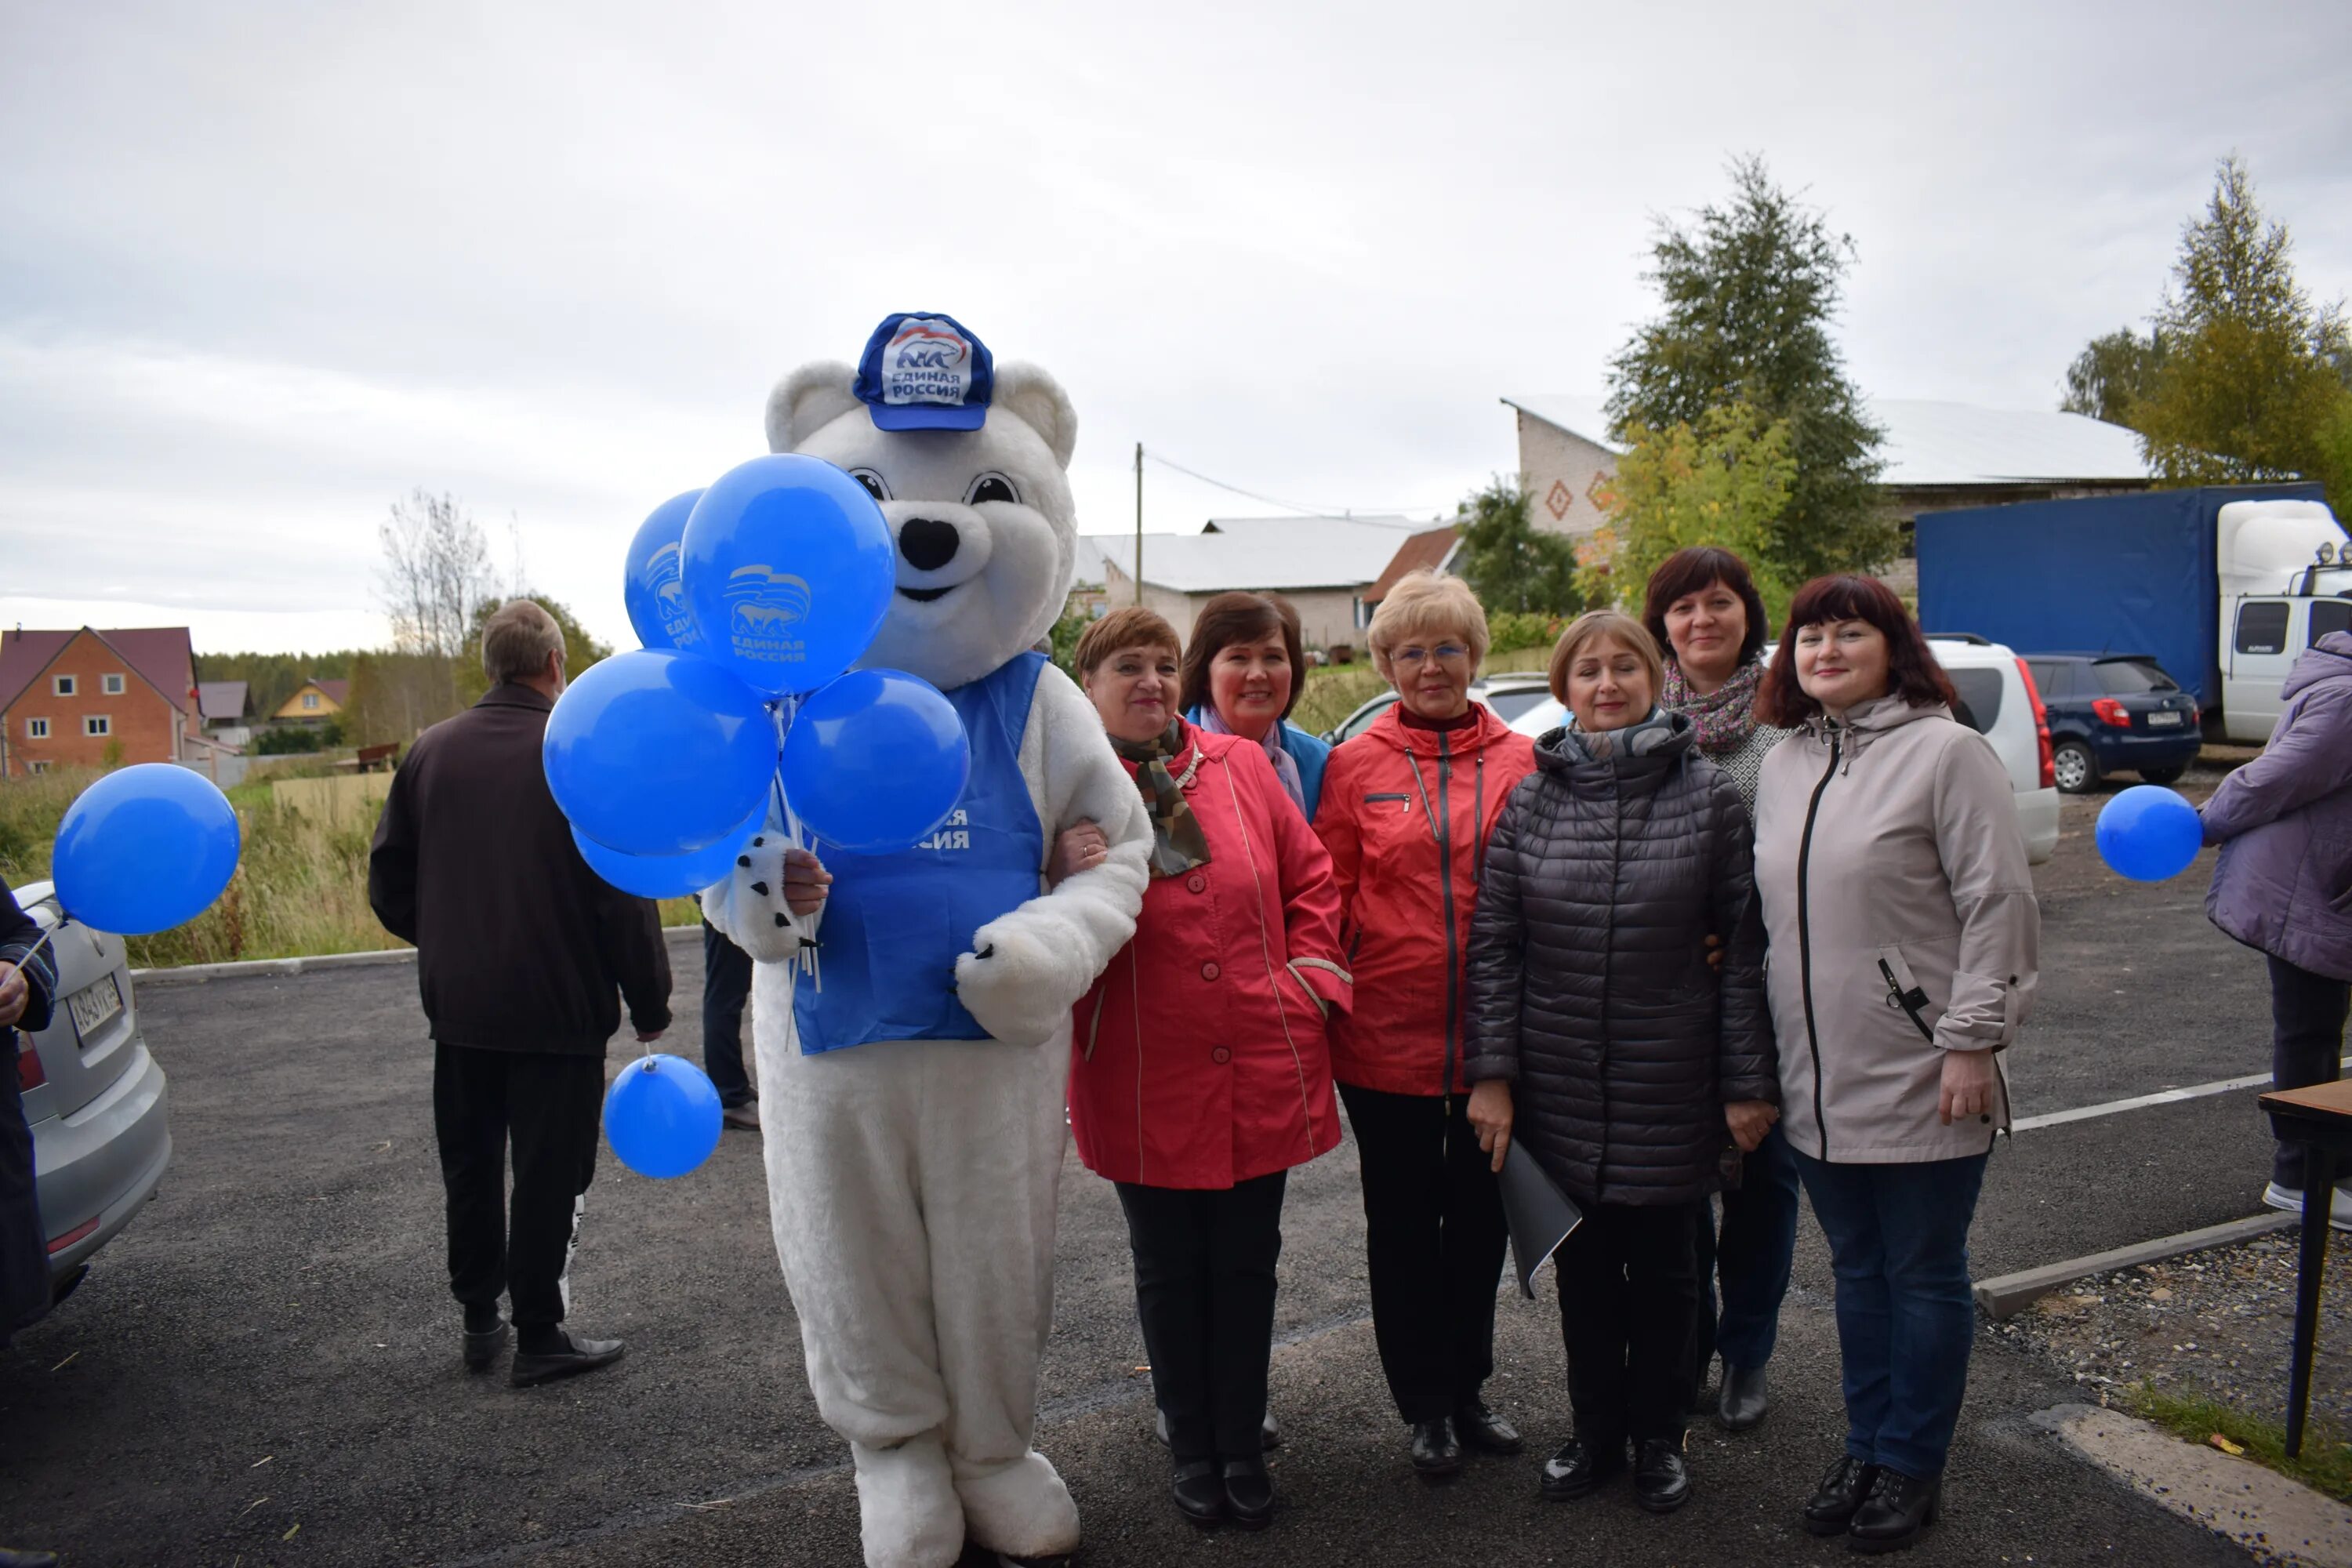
{"x":66,"y":697}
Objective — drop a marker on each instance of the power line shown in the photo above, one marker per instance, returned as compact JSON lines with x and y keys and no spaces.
{"x":1277,"y":501}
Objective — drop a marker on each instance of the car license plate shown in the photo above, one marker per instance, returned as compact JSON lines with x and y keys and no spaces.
{"x":92,"y":1005}
{"x":2163,"y":721}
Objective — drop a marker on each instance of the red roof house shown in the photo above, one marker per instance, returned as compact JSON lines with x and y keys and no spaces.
{"x":90,"y":698}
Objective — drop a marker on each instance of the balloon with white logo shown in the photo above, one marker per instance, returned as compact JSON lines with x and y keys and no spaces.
{"x":788,"y":568}
{"x":652,"y":585}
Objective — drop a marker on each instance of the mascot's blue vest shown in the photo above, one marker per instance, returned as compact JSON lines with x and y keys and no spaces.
{"x":895,"y":924}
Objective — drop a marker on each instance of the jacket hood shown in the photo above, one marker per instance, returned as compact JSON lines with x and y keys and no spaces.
{"x":1394,"y":732}
{"x":2329,"y":658}
{"x":1656,"y":744}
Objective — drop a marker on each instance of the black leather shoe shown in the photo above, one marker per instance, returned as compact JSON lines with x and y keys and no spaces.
{"x":1897,"y":1509}
{"x":1200,"y":1492}
{"x":482,"y":1348}
{"x":1662,"y":1482}
{"x":1479,"y":1427}
{"x":1844,"y":1486}
{"x":1269,"y":1435}
{"x":1249,"y":1494}
{"x":1744,"y":1399}
{"x":1436,"y":1451}
{"x":1580,"y":1467}
{"x":578,"y":1355}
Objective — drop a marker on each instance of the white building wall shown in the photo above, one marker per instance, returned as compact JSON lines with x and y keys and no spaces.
{"x":1562,"y":474}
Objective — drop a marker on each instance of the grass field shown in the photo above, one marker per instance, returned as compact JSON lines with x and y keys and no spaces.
{"x":300,"y":887}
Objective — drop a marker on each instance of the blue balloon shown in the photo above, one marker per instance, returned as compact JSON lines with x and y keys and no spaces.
{"x":659,"y":752}
{"x":145,"y":848}
{"x":661,"y":1116}
{"x":789,"y":570}
{"x":671,"y":876}
{"x":652,"y":587}
{"x":2150,"y":834}
{"x":876,"y":760}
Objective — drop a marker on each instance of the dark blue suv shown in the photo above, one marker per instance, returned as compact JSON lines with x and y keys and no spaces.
{"x":2114,"y":710}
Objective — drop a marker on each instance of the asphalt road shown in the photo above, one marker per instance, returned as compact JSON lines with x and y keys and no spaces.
{"x":263,"y":1370}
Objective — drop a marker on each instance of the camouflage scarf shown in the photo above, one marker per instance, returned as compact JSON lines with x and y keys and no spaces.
{"x":1177,"y":843}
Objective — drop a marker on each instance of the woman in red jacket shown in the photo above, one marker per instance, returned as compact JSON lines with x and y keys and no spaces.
{"x":1198,"y":1073}
{"x":1406,"y":810}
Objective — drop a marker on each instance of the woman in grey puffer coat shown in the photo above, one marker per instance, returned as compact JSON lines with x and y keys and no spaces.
{"x":2284,"y":882}
{"x":1598,"y":1034}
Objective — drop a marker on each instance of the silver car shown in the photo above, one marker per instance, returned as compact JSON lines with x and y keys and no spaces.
{"x":1509,"y":694}
{"x":95,"y":1097}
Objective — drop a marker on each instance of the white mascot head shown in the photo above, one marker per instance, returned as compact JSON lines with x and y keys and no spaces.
{"x":968,"y":459}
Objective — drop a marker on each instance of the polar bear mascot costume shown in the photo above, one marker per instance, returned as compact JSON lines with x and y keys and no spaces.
{"x":911,"y":1074}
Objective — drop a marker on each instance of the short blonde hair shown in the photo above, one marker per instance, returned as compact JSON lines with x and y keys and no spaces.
{"x":1421,"y":604}
{"x":517,"y":640}
{"x":1607,"y":626}
{"x":1129,"y":625}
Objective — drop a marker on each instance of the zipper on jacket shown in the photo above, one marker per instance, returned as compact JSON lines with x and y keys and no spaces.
{"x":1805,"y":935}
{"x":1453,"y":938}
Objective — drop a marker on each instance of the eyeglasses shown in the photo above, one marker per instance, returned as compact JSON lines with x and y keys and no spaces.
{"x":1414,"y":658}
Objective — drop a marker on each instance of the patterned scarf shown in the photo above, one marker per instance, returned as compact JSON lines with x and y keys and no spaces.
{"x":1177,"y":843}
{"x":1285,"y":766}
{"x":1726,"y":716}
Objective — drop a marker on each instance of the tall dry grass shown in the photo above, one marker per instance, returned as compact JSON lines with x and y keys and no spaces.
{"x":300,"y":887}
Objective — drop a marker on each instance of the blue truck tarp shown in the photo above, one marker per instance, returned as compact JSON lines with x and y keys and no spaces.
{"x":2128,"y":573}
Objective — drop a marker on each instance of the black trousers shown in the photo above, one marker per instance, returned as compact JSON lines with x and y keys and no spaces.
{"x":548,"y":1104}
{"x":2307,"y":1013}
{"x":1434,"y":1247}
{"x":1205,"y":1290}
{"x":1628,"y":1305}
{"x":726,"y":986}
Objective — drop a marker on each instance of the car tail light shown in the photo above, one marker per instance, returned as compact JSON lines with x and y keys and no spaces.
{"x":2040,"y":727}
{"x":59,"y":1243}
{"x":30,"y":1074}
{"x":2111,"y":711}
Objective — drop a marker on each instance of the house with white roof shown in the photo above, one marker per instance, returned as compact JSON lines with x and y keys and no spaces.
{"x":1325,"y":566}
{"x":1938,"y":456}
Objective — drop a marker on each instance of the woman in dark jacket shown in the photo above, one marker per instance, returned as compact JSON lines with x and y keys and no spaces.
{"x":28,"y":981}
{"x":1709,"y":623}
{"x":1599,"y":1035}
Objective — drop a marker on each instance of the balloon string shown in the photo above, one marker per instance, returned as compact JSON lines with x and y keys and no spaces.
{"x":806,"y":961}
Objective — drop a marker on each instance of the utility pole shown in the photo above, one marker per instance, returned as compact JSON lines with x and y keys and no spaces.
{"x":1138,"y":522}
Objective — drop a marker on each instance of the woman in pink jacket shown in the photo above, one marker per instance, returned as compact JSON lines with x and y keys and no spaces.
{"x":1199,"y":1074}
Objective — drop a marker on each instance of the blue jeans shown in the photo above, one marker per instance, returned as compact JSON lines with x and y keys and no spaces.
{"x":1752,"y":1259}
{"x":1899,"y":1245}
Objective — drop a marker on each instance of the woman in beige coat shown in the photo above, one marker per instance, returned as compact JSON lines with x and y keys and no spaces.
{"x":1904,"y":935}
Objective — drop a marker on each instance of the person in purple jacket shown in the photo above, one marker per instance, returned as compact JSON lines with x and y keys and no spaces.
{"x":2285,"y":884}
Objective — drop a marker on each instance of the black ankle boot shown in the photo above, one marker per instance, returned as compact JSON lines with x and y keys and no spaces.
{"x":1662,"y":1481}
{"x":1833,"y":1503}
{"x":1436,"y":1451}
{"x":1899,"y":1506}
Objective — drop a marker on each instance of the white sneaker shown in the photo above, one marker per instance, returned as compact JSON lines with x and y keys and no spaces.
{"x":2287,"y":1198}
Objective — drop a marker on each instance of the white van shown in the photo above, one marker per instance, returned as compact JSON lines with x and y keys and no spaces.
{"x":1998,"y":699}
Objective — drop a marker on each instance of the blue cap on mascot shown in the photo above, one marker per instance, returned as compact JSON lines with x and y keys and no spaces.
{"x":923,"y":371}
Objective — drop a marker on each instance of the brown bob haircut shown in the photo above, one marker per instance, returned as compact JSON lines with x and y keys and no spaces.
{"x":1687,"y":572}
{"x":1129,"y":625}
{"x":1911,"y":666}
{"x":1229,"y":619}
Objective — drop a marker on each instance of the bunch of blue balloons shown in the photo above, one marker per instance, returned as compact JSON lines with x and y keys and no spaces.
{"x":753,"y":599}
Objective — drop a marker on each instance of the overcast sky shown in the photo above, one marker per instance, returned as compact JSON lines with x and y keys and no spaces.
{"x":264,"y":267}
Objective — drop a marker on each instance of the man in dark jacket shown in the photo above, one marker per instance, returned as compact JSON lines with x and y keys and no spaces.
{"x":521,"y":949}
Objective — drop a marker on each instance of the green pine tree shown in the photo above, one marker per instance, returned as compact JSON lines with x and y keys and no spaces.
{"x":1749,"y":290}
